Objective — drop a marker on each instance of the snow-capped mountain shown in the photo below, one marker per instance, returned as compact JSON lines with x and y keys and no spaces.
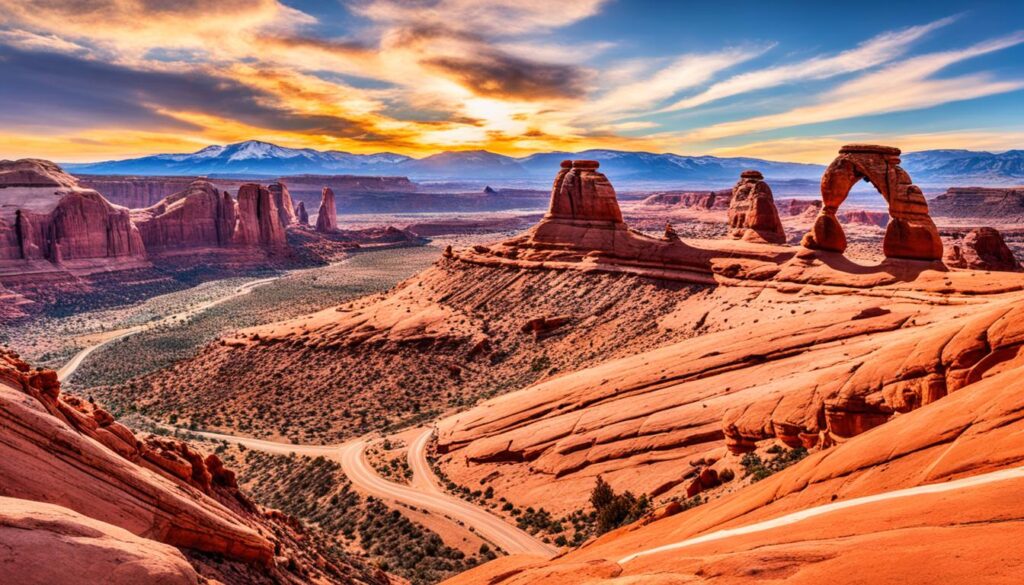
{"x":257,"y":158}
{"x":247,"y":158}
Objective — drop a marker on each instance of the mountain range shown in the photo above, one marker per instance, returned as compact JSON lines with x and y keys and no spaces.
{"x":261,"y":158}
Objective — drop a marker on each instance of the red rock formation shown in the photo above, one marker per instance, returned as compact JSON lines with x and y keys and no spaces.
{"x":995,"y":203}
{"x":199,"y":216}
{"x":45,"y":215}
{"x":301,"y":216}
{"x":864,"y":217}
{"x":752,"y":213}
{"x":64,"y":451}
{"x":794,"y":207}
{"x":910,"y":234}
{"x":258,"y":219}
{"x":690,"y":199}
{"x":982,"y":249}
{"x":47,"y":544}
{"x":327,"y":216}
{"x":135,"y":192}
{"x":582,"y":194}
{"x":283,"y":201}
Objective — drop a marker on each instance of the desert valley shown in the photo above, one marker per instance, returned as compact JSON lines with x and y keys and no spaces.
{"x":402,"y":298}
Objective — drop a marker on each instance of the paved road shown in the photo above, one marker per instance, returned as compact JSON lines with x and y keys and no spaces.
{"x":934,"y":488}
{"x":73,"y":364}
{"x":352,"y":457}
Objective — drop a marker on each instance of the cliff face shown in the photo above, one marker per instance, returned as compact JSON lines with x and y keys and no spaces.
{"x":995,"y":203}
{"x":46,"y":215}
{"x":196,"y":217}
{"x":283,"y":201}
{"x":135,"y":192}
{"x":259,"y":221}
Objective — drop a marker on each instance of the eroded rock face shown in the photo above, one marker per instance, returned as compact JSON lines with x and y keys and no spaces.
{"x":582,"y":194}
{"x":301,"y":215}
{"x":283,"y":201}
{"x":752,"y":213}
{"x":327,"y":216}
{"x":196,"y":217}
{"x":259,"y":221}
{"x":982,"y":249}
{"x":910,"y":234}
{"x":41,"y":544}
{"x":65,"y":451}
{"x":45,"y":215}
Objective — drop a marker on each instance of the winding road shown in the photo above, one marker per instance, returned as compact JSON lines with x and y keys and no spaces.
{"x":425,"y":492}
{"x":65,"y":372}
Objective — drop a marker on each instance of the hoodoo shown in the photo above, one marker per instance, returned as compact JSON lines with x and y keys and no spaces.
{"x":752,"y":212}
{"x":911,"y":234}
{"x":301,"y":215}
{"x":327,"y":217}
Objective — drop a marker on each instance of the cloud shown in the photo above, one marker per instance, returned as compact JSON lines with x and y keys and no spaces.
{"x":52,"y":89}
{"x":642,"y":84}
{"x":491,"y":73}
{"x":871,"y":53}
{"x":497,"y":17}
{"x":906,"y":85}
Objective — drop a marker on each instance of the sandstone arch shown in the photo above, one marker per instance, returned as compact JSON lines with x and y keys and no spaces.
{"x":910,"y":234}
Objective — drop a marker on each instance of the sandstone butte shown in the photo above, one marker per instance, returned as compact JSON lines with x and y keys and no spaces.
{"x":201,"y":217}
{"x":752,"y":213}
{"x":115,"y":507}
{"x":47,"y":219}
{"x":327,"y":216}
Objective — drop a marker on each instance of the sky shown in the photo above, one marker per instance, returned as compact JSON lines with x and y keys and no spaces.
{"x":85,"y":80}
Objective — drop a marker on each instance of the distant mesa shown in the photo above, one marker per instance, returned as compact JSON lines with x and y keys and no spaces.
{"x":910,"y":234}
{"x":752,"y":213}
{"x":327,"y":216}
{"x":995,"y":204}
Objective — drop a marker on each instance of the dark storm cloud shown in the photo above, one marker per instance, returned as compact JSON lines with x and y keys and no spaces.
{"x":56,"y":90}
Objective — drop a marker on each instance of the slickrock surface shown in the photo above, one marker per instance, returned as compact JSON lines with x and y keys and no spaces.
{"x":982,"y":249}
{"x":752,"y":213}
{"x":905,"y":540}
{"x":43,"y":544}
{"x":58,"y":450}
{"x":910,"y":233}
{"x":45,"y":216}
{"x":327,"y":216}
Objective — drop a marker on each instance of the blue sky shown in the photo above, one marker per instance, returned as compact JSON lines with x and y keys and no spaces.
{"x":92,"y":79}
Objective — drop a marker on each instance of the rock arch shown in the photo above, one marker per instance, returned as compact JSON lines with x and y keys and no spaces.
{"x":910,"y":234}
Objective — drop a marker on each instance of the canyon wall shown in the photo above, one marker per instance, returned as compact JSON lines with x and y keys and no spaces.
{"x":46,"y":215}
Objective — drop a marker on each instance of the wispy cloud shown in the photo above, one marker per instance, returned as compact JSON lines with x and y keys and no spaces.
{"x":906,"y":85}
{"x":876,"y":51}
